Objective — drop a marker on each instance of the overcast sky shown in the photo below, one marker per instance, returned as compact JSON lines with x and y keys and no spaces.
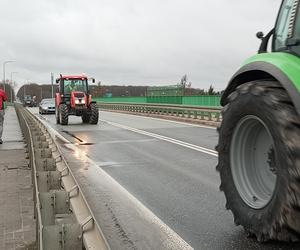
{"x":137,"y":42}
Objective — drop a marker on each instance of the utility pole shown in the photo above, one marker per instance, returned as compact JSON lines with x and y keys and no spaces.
{"x":24,"y":91}
{"x":4,"y":63}
{"x":11,"y":86}
{"x":52,"y":90}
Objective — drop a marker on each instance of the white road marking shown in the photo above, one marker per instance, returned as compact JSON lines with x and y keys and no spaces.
{"x":165,"y":138}
{"x":164,"y":120}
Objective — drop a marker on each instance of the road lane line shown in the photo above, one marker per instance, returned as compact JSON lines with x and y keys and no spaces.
{"x":165,"y":138}
{"x":164,"y":120}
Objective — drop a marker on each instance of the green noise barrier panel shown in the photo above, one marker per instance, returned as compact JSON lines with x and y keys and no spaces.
{"x":204,"y":100}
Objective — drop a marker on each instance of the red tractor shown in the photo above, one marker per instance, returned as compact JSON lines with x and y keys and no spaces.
{"x":74,"y":98}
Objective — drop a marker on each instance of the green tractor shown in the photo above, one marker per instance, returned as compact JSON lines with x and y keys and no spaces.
{"x":259,"y":137}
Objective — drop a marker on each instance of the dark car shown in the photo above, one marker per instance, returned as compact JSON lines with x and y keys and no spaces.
{"x":28,"y":102}
{"x":47,"y":106}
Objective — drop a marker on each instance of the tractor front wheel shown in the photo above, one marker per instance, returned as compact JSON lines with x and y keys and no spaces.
{"x":259,"y":161}
{"x":85,"y":118}
{"x":63,"y":114}
{"x":94,"y":117}
{"x":57,"y":115}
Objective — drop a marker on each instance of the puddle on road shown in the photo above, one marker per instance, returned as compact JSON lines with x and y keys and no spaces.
{"x":81,"y":142}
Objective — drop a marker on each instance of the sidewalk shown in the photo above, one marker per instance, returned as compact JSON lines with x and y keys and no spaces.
{"x":17,"y":225}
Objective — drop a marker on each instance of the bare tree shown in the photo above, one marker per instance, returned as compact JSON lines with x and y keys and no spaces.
{"x":184,"y":80}
{"x":211,"y":90}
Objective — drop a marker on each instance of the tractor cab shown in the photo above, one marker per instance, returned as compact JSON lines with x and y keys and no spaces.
{"x":71,"y":84}
{"x":286,"y":34}
{"x":73,"y":98}
{"x":287,"y":31}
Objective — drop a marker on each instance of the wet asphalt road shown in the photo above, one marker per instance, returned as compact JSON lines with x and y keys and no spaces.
{"x":177,"y":183}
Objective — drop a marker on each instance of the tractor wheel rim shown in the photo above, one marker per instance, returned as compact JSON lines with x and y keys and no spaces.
{"x":252,"y":161}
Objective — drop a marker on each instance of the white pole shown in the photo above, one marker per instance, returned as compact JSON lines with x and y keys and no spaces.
{"x":11,"y":86}
{"x":4,"y":63}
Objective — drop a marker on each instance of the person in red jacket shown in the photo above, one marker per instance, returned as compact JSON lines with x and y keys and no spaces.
{"x":3,"y":98}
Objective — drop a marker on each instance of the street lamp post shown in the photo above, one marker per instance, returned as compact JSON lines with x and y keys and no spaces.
{"x":11,"y":86}
{"x":52,"y":81}
{"x":4,"y":63}
{"x":24,"y":89}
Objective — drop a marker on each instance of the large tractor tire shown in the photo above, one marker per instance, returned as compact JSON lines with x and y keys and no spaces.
{"x":63,"y":114}
{"x":259,"y":161}
{"x":57,"y":115}
{"x":85,"y":118}
{"x":94,"y":117}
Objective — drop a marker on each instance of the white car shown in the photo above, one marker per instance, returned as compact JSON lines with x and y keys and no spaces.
{"x":47,"y":106}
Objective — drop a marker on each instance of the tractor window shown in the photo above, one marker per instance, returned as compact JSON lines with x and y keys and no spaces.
{"x":296,"y":47}
{"x":282,"y":27}
{"x":74,"y":85}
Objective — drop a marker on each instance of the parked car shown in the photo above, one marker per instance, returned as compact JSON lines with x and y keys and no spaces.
{"x":47,"y":106}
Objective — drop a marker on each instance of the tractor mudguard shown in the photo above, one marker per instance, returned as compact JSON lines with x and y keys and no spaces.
{"x":58,"y":100}
{"x":91,"y":103}
{"x":282,"y":67}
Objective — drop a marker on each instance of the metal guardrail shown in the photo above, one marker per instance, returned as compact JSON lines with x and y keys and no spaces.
{"x":64,"y":219}
{"x":210,"y":114}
